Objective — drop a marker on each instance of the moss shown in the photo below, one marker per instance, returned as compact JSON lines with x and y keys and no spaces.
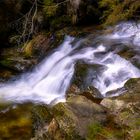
{"x":6,"y":63}
{"x":131,"y":83}
{"x":64,"y":115}
{"x":137,"y":122}
{"x":108,"y":131}
{"x":94,"y":130}
{"x":137,"y":136}
{"x":28,"y":49}
{"x":66,"y":120}
{"x":116,"y":11}
{"x":50,"y":8}
{"x":15,"y":122}
{"x":59,"y":22}
{"x":124,"y":115}
{"x":40,"y":115}
{"x":55,"y":15}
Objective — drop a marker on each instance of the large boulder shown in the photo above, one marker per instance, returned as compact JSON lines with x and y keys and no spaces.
{"x":71,"y":120}
{"x":82,"y":81}
{"x":126,"y":109}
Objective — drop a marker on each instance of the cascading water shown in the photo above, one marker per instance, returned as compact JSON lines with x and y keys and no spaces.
{"x":51,"y":78}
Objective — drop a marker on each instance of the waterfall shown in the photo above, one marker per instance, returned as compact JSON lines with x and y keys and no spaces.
{"x":50,"y":79}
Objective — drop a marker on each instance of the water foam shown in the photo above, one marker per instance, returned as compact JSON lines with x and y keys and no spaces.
{"x":49,"y":81}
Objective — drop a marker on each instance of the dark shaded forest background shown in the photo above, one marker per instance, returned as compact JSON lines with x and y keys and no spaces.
{"x":20,"y":20}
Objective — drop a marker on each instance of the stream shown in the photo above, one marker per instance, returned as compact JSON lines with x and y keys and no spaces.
{"x":50,"y":79}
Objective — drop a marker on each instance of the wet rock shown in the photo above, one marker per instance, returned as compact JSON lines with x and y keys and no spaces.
{"x":94,"y":92}
{"x":71,"y":120}
{"x":115,"y":92}
{"x":136,"y":61}
{"x":37,"y":47}
{"x":90,"y":93}
{"x":13,"y":59}
{"x":19,"y":59}
{"x":41,"y":115}
{"x":73,"y":90}
{"x":132,"y":93}
{"x":81,"y":71}
{"x":83,"y":80}
{"x":126,"y":109}
{"x":112,"y":104}
{"x":17,"y":64}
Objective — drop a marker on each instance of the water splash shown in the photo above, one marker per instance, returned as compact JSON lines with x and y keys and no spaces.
{"x":127,"y":32}
{"x":52,"y":77}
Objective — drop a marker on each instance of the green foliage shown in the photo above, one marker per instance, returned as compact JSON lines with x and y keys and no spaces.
{"x":60,"y":22}
{"x":137,"y":136}
{"x":48,"y":2}
{"x":40,"y":115}
{"x":50,"y":8}
{"x":94,"y":130}
{"x":137,"y":122}
{"x":108,"y":3}
{"x":55,"y":15}
{"x":97,"y":131}
{"x":5,"y":63}
{"x":116,"y":10}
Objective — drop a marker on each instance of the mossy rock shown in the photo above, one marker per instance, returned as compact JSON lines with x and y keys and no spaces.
{"x":66,"y":120}
{"x":17,"y":64}
{"x":40,"y":116}
{"x":70,"y":120}
{"x":15,"y":60}
{"x":15,"y":121}
{"x":73,"y":115}
{"x":127,"y":114}
{"x":132,"y":83}
{"x":132,"y":93}
{"x":37,"y":47}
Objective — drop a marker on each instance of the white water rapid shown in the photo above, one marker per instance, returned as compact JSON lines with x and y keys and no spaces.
{"x":49,"y":80}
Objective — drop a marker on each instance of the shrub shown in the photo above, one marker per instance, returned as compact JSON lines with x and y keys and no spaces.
{"x":118,"y":10}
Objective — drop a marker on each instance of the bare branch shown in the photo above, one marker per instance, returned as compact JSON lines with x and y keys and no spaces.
{"x":26,"y":25}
